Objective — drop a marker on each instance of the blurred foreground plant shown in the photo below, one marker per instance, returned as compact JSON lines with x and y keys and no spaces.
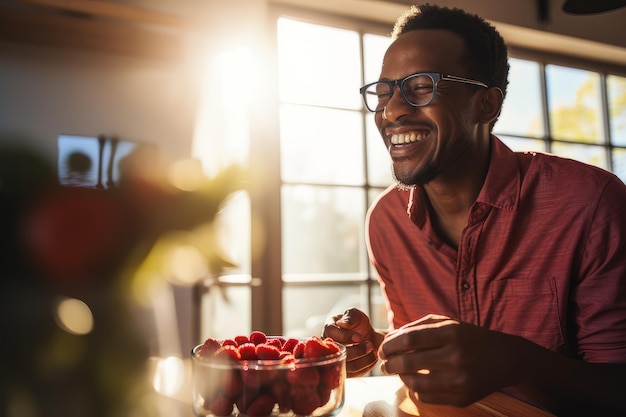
{"x":70,"y":257}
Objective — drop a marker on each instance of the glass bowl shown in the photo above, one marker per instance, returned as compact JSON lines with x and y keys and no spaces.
{"x":255,"y":388}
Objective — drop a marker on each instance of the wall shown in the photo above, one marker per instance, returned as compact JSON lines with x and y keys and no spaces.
{"x":48,"y":91}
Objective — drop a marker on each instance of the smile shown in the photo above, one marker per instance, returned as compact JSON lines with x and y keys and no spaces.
{"x":408,"y":137}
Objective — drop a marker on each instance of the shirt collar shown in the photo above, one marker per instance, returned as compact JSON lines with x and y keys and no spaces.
{"x":502,"y":184}
{"x":501,"y":187}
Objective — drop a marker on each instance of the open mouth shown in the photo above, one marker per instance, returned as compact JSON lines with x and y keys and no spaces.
{"x":407,"y":137}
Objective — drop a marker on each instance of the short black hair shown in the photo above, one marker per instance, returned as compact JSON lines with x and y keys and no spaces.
{"x":487,"y":52}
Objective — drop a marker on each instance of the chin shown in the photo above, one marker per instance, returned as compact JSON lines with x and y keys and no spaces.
{"x":408,"y":181}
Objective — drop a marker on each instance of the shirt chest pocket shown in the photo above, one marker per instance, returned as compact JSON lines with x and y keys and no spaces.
{"x":530,"y":310}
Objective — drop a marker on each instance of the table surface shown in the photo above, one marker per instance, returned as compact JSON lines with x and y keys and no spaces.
{"x":386,"y":396}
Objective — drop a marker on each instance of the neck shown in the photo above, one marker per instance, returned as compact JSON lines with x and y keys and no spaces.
{"x":452,"y":194}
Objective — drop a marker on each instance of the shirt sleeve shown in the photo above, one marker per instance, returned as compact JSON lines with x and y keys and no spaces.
{"x":599,"y":296}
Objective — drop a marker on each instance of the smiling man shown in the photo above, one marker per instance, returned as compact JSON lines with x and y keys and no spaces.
{"x":501,"y":270}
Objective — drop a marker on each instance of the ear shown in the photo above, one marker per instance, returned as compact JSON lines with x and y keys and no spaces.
{"x":491,"y":104}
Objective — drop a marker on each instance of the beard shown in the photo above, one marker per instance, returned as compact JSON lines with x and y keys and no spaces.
{"x":418,"y":179}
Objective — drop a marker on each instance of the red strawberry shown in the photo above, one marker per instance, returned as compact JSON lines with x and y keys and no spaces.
{"x":247,"y":352}
{"x":230,"y":383}
{"x":324,"y":394}
{"x":266,"y":351}
{"x":246,"y":398}
{"x":308,"y":376}
{"x":261,"y":406}
{"x":209,"y":347}
{"x":258,"y":337}
{"x":315,"y":347}
{"x":220,"y":406}
{"x":228,"y":352}
{"x":304,"y":401}
{"x":298,"y":350}
{"x":257,"y":378}
{"x":286,"y":357}
{"x":330,"y":375}
{"x":229,"y":342}
{"x":241,"y":340}
{"x":290,"y":344}
{"x":280,"y":392}
{"x":275,"y":342}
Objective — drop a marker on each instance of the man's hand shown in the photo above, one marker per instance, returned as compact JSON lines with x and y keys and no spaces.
{"x":354,"y":330}
{"x":448,"y":362}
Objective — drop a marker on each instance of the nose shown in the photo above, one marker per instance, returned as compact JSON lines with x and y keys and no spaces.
{"x":396,"y":107}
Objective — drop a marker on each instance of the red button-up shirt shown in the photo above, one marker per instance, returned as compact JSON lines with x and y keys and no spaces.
{"x":543,"y":256}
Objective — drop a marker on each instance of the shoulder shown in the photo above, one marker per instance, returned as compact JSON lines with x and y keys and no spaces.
{"x":552,"y":172}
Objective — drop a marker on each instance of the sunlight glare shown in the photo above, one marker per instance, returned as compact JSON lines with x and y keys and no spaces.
{"x":74,"y":316}
{"x":169,"y":376}
{"x":186,"y":174}
{"x":187,"y":264}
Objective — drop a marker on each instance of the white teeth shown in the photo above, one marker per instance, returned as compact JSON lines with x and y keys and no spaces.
{"x":406,"y":138}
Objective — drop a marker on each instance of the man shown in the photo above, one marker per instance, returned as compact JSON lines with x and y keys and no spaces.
{"x":501,"y":270}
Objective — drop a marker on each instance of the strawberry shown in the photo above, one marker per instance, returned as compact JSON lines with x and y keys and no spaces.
{"x":261,"y":406}
{"x":304,"y":401}
{"x":247,"y":352}
{"x":290,"y":344}
{"x":241,"y":340}
{"x":308,"y":376}
{"x":229,"y":342}
{"x":286,"y":357}
{"x":220,"y":406}
{"x":275,"y":342}
{"x":280,"y":392}
{"x":228,"y":352}
{"x":315,"y":347}
{"x":230,"y":383}
{"x":330,"y":375}
{"x":258,"y":378}
{"x":265,"y":351}
{"x":298,"y":350}
{"x":246,"y":398}
{"x":324,"y":394}
{"x":209,"y":347}
{"x":258,"y":337}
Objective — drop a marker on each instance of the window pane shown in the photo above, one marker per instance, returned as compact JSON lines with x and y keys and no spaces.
{"x":233,"y":230}
{"x":374,"y":48}
{"x":226,"y":311}
{"x":590,"y":154}
{"x":318,"y":65}
{"x":575,"y":104}
{"x":303,"y":318}
{"x":322,"y":229}
{"x":619,"y":163}
{"x":321,"y":145}
{"x":378,"y":160}
{"x":616,"y":91}
{"x":522,"y":109}
{"x":523,"y":145}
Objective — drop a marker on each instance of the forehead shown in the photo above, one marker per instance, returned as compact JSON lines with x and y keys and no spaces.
{"x":435,"y":50}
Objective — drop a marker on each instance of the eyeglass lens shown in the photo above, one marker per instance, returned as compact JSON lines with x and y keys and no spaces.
{"x":417,"y":90}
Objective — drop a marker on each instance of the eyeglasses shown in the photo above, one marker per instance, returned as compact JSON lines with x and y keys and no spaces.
{"x":417,"y":89}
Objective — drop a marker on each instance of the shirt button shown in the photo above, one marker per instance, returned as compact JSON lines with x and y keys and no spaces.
{"x":465,"y":285}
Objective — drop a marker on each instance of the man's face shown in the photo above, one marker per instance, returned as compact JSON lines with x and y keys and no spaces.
{"x":426,"y":142}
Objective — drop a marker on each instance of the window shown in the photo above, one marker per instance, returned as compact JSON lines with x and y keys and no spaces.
{"x":327,"y":172}
{"x":332,"y":165}
{"x":579,"y":114}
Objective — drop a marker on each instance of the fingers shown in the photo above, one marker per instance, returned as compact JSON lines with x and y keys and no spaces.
{"x":436,"y":389}
{"x":353,"y":326}
{"x":418,"y":337}
{"x":362,"y":358}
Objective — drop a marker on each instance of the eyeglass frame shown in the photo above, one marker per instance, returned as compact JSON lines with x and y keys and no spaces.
{"x":435,"y":76}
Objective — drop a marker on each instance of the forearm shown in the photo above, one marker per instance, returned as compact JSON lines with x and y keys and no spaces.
{"x":570,"y":387}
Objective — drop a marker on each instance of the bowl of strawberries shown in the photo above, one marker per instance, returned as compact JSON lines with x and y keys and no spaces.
{"x":258,"y":375}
